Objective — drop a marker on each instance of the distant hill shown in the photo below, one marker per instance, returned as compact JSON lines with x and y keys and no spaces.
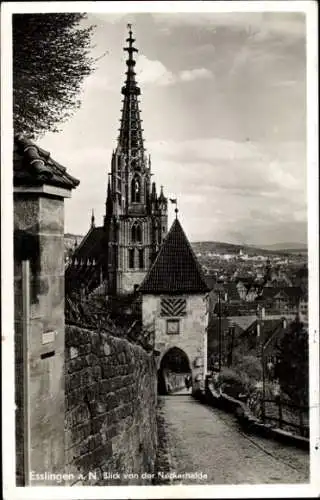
{"x":288,"y":247}
{"x":206,"y":247}
{"x":231,"y":248}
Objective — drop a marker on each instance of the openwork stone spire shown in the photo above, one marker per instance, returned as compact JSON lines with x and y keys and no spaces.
{"x":130,"y":140}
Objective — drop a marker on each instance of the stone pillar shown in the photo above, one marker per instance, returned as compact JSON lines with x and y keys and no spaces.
{"x":39,"y":238}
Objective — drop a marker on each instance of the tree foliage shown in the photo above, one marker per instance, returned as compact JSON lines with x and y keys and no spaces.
{"x":51,"y":58}
{"x":292,"y":368}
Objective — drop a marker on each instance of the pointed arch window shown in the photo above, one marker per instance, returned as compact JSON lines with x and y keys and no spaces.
{"x":154,"y":232}
{"x":136,"y":189}
{"x":141,"y":258}
{"x":131,"y":258}
{"x":136,"y":233}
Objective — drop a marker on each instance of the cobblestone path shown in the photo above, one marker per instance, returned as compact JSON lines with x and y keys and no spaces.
{"x":209,"y":444}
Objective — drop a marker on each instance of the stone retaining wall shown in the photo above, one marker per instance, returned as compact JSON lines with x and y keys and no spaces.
{"x":110,"y":410}
{"x":247,"y":420}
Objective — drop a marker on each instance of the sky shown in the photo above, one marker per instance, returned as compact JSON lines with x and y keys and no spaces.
{"x":224,"y":115}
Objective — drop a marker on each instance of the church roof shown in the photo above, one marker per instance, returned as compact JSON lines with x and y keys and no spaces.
{"x":33,"y":166}
{"x":175,"y":269}
{"x":92,"y":244}
{"x":87,"y":258}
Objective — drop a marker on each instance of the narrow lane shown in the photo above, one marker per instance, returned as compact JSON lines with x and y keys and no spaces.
{"x":200,"y":444}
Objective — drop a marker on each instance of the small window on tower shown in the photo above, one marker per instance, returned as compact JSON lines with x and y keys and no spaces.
{"x":136,"y":233}
{"x":139,"y":233}
{"x":119,"y":199}
{"x":141,"y":259}
{"x":135,"y":190}
{"x":131,"y":258}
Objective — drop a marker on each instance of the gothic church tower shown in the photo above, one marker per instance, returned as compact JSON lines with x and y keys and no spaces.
{"x":136,"y":217}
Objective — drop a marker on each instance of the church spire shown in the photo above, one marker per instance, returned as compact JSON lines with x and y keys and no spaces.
{"x":92,"y":219}
{"x":109,"y":201}
{"x":130,"y":140}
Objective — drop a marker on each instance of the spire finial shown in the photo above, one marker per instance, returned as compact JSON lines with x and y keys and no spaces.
{"x":92,"y":219}
{"x":130,"y":140}
{"x":130,"y":49}
{"x":174,"y":201}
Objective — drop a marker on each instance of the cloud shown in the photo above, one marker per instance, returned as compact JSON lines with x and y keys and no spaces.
{"x":260,"y":24}
{"x":206,"y":150}
{"x":109,"y":18}
{"x":153,"y":71}
{"x":228,"y":184}
{"x":225,"y":184}
{"x":195,"y":74}
{"x":285,"y":83}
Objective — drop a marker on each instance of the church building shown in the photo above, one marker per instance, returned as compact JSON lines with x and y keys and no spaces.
{"x":117,"y":255}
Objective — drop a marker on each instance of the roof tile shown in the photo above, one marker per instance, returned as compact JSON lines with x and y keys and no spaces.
{"x":175,"y":269}
{"x":34,"y":166}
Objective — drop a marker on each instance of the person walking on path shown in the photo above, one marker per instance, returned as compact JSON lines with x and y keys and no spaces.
{"x":188,"y":382}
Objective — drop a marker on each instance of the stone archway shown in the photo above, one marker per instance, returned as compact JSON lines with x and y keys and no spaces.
{"x":173,"y":369}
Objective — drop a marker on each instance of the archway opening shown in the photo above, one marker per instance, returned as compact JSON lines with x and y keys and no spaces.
{"x":174,"y":374}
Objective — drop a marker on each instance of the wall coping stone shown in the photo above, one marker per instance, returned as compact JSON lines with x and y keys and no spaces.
{"x":45,"y":189}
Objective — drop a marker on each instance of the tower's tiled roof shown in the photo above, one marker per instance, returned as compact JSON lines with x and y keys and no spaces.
{"x":32,"y":166}
{"x":176,"y":269}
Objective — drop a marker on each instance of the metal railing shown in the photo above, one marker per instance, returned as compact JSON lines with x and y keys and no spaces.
{"x":287,"y":415}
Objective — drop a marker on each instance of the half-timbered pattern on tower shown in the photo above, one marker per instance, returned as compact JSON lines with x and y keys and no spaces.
{"x":135,"y":221}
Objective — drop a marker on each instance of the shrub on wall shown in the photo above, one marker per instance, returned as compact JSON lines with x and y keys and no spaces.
{"x":251,"y":366}
{"x":230,"y":382}
{"x":250,"y":369}
{"x":244,"y":377}
{"x":292,"y":368}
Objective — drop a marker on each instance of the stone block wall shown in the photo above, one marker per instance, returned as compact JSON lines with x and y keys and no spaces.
{"x":110,"y":418}
{"x":38,"y":237}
